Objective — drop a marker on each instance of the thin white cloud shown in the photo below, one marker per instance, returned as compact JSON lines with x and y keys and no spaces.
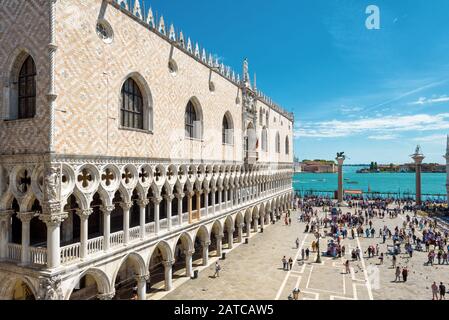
{"x":431,"y":138}
{"x":425,"y":101}
{"x":387,"y":125}
{"x":383,"y":137}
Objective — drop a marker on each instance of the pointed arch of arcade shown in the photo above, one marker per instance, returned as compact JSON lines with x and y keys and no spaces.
{"x":102,"y":282}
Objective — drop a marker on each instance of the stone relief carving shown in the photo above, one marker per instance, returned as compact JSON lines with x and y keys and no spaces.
{"x":50,"y":288}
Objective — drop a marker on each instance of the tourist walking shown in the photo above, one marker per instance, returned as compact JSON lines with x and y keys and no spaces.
{"x":381,"y":258}
{"x":442,"y":291}
{"x":398,"y":274}
{"x":347,"y":269}
{"x":290,"y":263}
{"x":217,"y":270}
{"x":404,"y":274}
{"x":434,"y":291}
{"x":394,"y":261}
{"x":302,"y":254}
{"x":284,"y":263}
{"x":307,"y":253}
{"x":297,"y":243}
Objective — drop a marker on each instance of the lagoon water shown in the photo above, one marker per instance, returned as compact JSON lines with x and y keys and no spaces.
{"x":403,"y":183}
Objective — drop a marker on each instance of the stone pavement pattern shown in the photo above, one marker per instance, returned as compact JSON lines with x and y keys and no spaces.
{"x":254,"y":271}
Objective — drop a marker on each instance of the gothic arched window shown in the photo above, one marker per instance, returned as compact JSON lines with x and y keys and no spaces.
{"x":192,"y":121}
{"x":27,"y":90}
{"x":264,"y":139}
{"x":287,"y":145}
{"x":132,"y":106}
{"x":227,"y":130}
{"x":278,"y":143}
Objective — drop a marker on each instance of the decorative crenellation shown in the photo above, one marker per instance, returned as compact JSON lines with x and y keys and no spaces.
{"x":197,"y":52}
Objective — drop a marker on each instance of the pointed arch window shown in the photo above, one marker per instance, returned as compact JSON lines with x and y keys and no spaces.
{"x":192,"y":121}
{"x":227,"y":130}
{"x":278,"y":143}
{"x":132,"y":105}
{"x":27,"y":90}
{"x":287,"y":145}
{"x":264,"y":139}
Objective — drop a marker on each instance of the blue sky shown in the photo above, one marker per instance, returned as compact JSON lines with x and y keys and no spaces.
{"x":374,"y":94}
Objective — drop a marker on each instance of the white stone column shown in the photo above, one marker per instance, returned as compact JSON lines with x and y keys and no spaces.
{"x":248,"y":228}
{"x":256,"y":224}
{"x":230,"y":238}
{"x":168,"y":275}
{"x":25,"y":217}
{"x":168,"y":200}
{"x":205,"y":245}
{"x":84,"y":221}
{"x":157,"y":202}
{"x":220,"y":194}
{"x":5,"y":223}
{"x":189,"y":269}
{"x":142,"y":206}
{"x":142,"y":287}
{"x":126,"y":206}
{"x":206,"y":202}
{"x":53,"y":223}
{"x":213,"y":190}
{"x":179,"y":196}
{"x":240,"y":232}
{"x":107,"y":210}
{"x":219,"y":239}
{"x":232,"y":197}
{"x":225,"y":198}
{"x":262,"y":221}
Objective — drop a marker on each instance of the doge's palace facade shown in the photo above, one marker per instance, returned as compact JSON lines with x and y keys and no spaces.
{"x":128,"y":154}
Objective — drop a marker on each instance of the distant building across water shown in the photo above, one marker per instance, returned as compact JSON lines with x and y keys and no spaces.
{"x":316,"y":166}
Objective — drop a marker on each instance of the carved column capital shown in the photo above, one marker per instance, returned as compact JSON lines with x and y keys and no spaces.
{"x":156,"y":200}
{"x":26,"y":217}
{"x":53,"y":220}
{"x":169,"y":197}
{"x":145,"y":278}
{"x":168,"y":263}
{"x":143,"y":203}
{"x":107,"y":209}
{"x":84,"y":213}
{"x":189,"y":253}
{"x":126,"y":205}
{"x":180,"y":196}
{"x":205,"y":243}
{"x":6,"y":214}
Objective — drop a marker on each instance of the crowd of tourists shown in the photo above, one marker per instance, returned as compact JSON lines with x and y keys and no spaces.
{"x":414,"y":234}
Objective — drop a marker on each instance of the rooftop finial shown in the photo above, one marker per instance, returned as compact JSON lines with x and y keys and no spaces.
{"x":447,"y":145}
{"x":137,"y":11}
{"x":150,"y":18}
{"x":255,"y":82}
{"x":246,"y":79}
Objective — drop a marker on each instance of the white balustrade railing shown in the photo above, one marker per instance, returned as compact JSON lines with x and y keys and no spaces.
{"x":70,"y":252}
{"x":38,"y":255}
{"x":202,"y":212}
{"x":149,"y":228}
{"x":163,"y":224}
{"x":217,"y":208}
{"x":134,"y":233}
{"x":185,"y":217}
{"x":95,"y":245}
{"x":174,"y":220}
{"x":116,"y":238}
{"x":14,"y":251}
